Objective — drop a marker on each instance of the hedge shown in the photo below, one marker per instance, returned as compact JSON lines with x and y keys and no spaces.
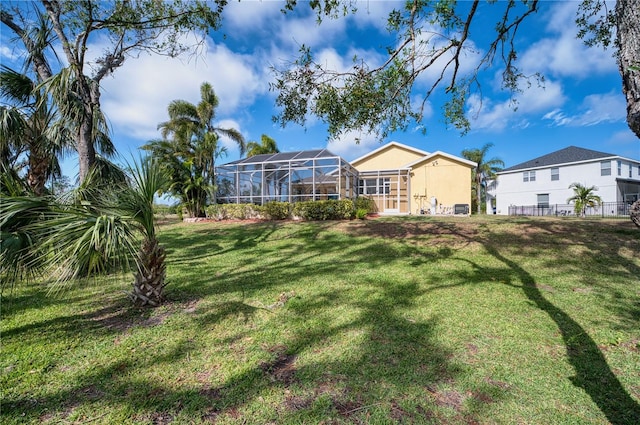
{"x":331,"y":209}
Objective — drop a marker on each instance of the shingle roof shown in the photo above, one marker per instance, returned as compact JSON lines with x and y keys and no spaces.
{"x":563,"y":156}
{"x":285,"y":156}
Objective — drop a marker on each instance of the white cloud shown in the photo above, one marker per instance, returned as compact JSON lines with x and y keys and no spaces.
{"x":562,"y":53}
{"x":239,"y":15}
{"x":136,"y":98}
{"x":353,"y":144}
{"x":486,"y":114}
{"x":232,"y":147}
{"x":595,"y":109}
{"x":7,"y":54}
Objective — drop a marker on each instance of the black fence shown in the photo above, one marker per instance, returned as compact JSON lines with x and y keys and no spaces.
{"x":606,"y":209}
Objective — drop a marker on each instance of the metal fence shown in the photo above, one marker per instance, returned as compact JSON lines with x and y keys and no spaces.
{"x":606,"y":209}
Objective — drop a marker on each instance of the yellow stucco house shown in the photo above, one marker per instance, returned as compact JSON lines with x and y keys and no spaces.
{"x":405,"y":180}
{"x":399,"y":178}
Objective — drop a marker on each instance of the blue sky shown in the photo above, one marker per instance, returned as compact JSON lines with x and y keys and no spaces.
{"x":580,"y":104}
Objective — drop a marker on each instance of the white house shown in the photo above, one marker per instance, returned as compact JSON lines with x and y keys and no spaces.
{"x":544,"y":181}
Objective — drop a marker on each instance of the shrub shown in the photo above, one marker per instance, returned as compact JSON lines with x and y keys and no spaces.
{"x":324,"y":210}
{"x":366,"y":204}
{"x":277,"y":210}
{"x":234,"y":211}
{"x":163,"y":210}
{"x":361,"y":213}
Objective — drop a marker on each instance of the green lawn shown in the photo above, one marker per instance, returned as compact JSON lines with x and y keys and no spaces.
{"x":395,"y":320}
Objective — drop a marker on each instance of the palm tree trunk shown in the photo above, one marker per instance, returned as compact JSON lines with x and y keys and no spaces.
{"x":635,"y":213}
{"x":37,"y":174}
{"x":148,"y":286}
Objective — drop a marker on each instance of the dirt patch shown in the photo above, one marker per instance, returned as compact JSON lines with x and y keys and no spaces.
{"x":545,"y":287}
{"x":450,"y":398}
{"x":582,"y":290}
{"x":398,"y":414}
{"x":155,"y":320}
{"x":161,"y":418}
{"x":495,"y":383}
{"x":115,"y":318}
{"x":295,"y":403}
{"x":282,"y":368}
{"x":90,"y":392}
{"x":347,"y":408}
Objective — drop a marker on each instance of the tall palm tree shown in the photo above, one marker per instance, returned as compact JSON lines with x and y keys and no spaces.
{"x":583,"y":197}
{"x":95,"y":230}
{"x":190,"y":147}
{"x":486,"y":169}
{"x":266,"y":145}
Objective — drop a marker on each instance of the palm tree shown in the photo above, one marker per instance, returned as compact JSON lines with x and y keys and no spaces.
{"x":31,"y":125}
{"x":486,"y":169}
{"x":583,"y":197}
{"x":266,"y":145}
{"x":96,"y":230}
{"x":190,"y":147}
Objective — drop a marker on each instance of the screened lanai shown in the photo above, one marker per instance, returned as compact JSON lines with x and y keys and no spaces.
{"x":289,"y":176}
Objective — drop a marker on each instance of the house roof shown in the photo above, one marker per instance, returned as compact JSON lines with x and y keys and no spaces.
{"x":444,"y":154}
{"x":285,"y":156}
{"x":563,"y":156}
{"x":387,"y":146}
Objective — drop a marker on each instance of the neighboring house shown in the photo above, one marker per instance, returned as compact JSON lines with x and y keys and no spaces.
{"x":544,"y":181}
{"x":399,"y":178}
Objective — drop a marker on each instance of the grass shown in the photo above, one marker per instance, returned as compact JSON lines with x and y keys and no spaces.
{"x":394,"y":320}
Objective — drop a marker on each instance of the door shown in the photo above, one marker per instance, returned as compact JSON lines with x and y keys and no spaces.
{"x":390,"y":196}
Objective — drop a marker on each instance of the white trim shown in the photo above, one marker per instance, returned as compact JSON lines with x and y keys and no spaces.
{"x":444,"y":154}
{"x":386,"y":146}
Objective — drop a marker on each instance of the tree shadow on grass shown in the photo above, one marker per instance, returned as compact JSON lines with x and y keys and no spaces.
{"x":364,"y":385}
{"x":593,"y":374}
{"x":391,"y":353}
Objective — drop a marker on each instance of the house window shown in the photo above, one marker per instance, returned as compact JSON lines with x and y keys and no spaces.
{"x":555,"y":174}
{"x":371,"y":186}
{"x":630,"y":171}
{"x":529,"y":176}
{"x":619,"y":167}
{"x":543,"y":200}
{"x":605,"y":168}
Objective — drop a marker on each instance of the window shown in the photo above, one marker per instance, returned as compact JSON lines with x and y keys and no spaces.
{"x":555,"y":174}
{"x":370,"y":186}
{"x":543,"y":200}
{"x":619,"y":167}
{"x":630,"y":171}
{"x":529,"y":176}
{"x":605,"y":168}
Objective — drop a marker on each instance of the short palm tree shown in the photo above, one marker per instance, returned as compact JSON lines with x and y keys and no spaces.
{"x":583,"y":197}
{"x":266,"y":145}
{"x":486,"y":169}
{"x":100,"y":228}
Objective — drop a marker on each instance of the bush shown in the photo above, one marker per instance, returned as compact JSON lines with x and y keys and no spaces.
{"x":366,"y":204}
{"x":163,"y":210}
{"x":361,"y":213}
{"x":324,"y":210}
{"x":234,"y":211}
{"x":277,"y":210}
